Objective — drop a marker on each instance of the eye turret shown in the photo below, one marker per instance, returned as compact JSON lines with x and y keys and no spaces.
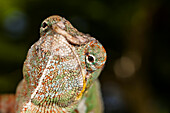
{"x":90,"y":58}
{"x":44,"y":25}
{"x":95,"y":56}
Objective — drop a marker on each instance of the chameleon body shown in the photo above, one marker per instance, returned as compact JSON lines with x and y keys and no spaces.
{"x":61,"y":70}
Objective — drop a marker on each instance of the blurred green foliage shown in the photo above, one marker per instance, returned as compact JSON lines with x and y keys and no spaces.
{"x":135,"y":34}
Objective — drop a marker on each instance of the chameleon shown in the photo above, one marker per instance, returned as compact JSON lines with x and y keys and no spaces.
{"x":60,"y":73}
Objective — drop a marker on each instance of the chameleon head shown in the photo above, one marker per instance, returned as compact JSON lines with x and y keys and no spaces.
{"x":92,"y":54}
{"x":61,"y":65}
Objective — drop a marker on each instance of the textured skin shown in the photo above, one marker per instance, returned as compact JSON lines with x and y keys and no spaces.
{"x":60,"y":71}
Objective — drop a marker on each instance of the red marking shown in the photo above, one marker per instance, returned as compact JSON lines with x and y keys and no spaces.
{"x":98,"y":46}
{"x":57,"y":49}
{"x":91,"y":43}
{"x":59,"y":97}
{"x":41,"y":93}
{"x":51,"y":111}
{"x":76,"y":111}
{"x":47,"y":111}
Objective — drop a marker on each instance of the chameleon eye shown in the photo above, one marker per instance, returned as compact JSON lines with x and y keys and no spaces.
{"x":95,"y":56}
{"x":44,"y":25}
{"x":90,"y":62}
{"x":44,"y":28}
{"x":90,"y":58}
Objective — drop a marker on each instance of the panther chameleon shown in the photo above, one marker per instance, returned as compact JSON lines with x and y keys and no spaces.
{"x":60,"y":73}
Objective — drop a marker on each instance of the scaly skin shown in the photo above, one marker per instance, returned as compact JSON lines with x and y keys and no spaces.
{"x":61,"y":70}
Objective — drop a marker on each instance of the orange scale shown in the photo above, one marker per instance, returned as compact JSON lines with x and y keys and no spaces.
{"x":39,"y":98}
{"x":50,"y":38}
{"x":50,"y":83}
{"x":50,"y":79}
{"x":40,"y":93}
{"x":51,"y":111}
{"x":30,"y":82}
{"x":43,"y":83}
{"x":91,"y":43}
{"x":46,"y":79}
{"x":36,"y":84}
{"x":39,"y":70}
{"x":59,"y":96}
{"x":83,"y":62}
{"x":43,"y":88}
{"x":57,"y":49}
{"x":102,"y":62}
{"x":105,"y":59}
{"x":104,"y":49}
{"x":84,"y":67}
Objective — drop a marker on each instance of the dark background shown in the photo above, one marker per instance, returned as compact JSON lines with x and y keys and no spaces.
{"x":135,"y":33}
